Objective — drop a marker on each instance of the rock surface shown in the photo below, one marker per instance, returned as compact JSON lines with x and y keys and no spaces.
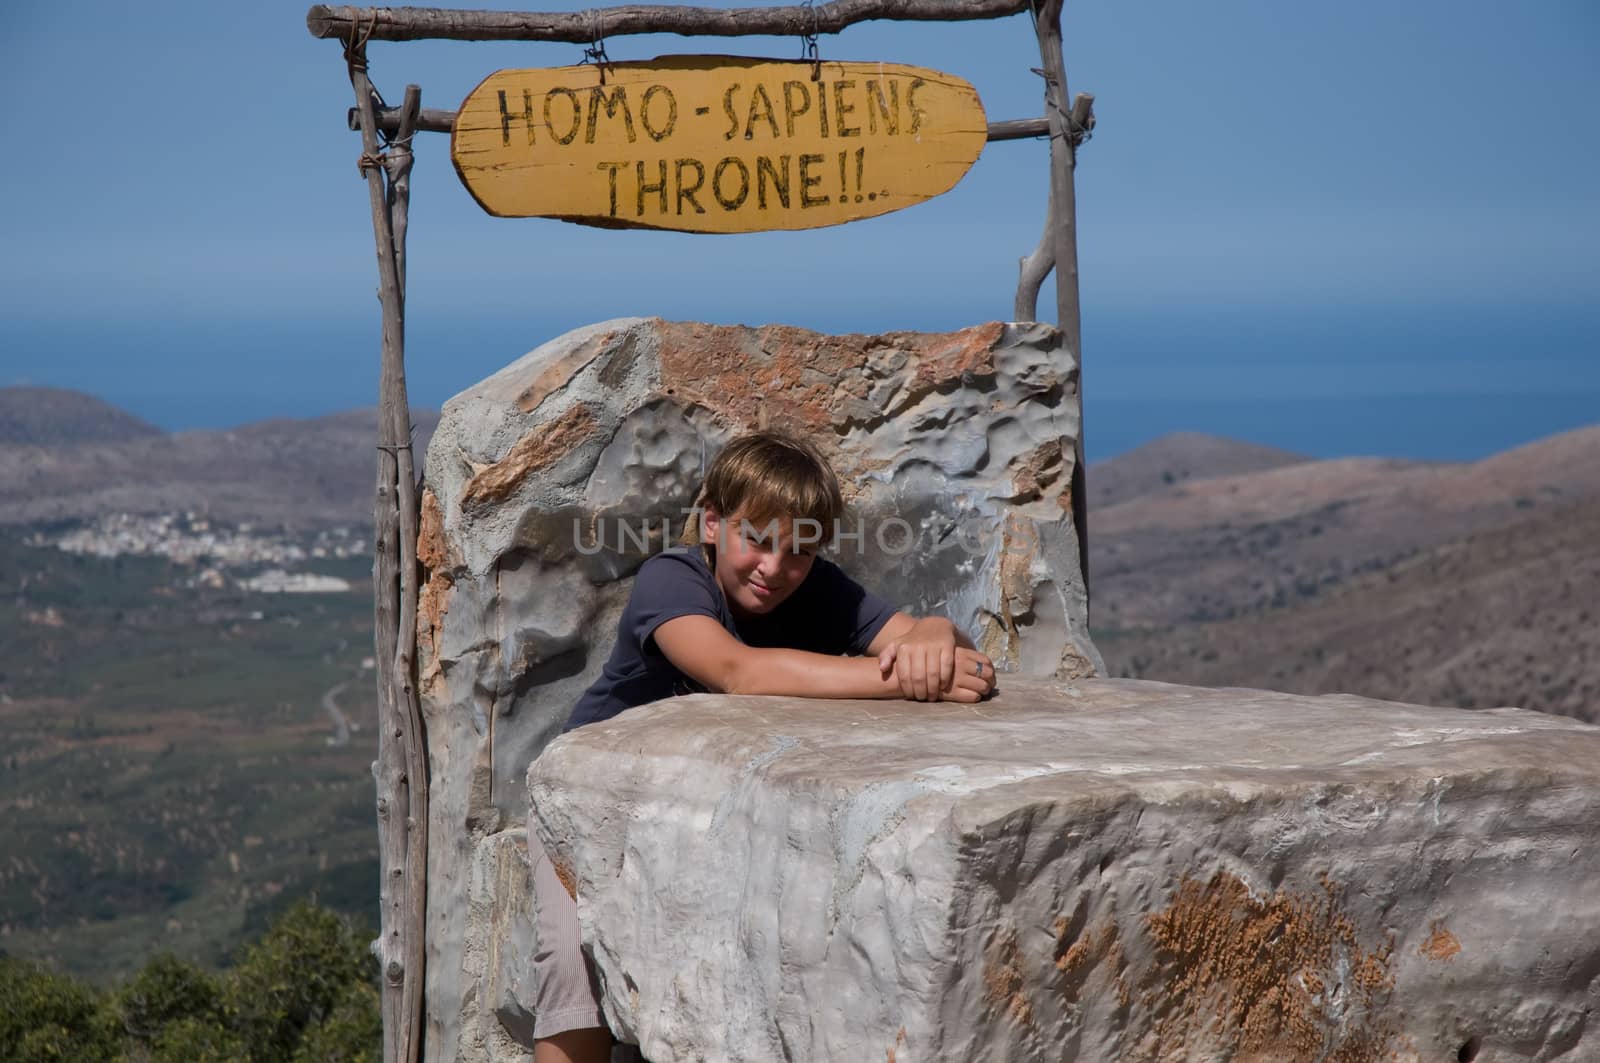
{"x":549,"y":483}
{"x":496,"y":1020}
{"x":1106,"y":869}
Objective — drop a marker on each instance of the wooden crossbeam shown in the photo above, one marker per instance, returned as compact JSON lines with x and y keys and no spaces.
{"x":585,"y":27}
{"x":438,"y":120}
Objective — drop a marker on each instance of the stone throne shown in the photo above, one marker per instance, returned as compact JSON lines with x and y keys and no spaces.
{"x":547,"y":485}
{"x":1080,"y":868}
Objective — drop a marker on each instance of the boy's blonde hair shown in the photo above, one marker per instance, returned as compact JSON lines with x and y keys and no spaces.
{"x":765,"y":476}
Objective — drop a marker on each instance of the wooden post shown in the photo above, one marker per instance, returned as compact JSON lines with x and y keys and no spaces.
{"x":1034,"y":268}
{"x":401,"y":770}
{"x":1063,"y":208}
{"x":395,"y":415}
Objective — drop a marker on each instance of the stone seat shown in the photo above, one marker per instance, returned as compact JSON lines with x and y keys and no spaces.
{"x":1103,"y":869}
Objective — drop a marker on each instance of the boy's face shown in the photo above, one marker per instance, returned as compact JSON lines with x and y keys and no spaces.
{"x":759,"y":565}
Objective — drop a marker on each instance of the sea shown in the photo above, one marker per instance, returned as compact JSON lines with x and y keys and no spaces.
{"x":1437,"y":383}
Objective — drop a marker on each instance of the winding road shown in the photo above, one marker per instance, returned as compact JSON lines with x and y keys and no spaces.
{"x":341,"y":724}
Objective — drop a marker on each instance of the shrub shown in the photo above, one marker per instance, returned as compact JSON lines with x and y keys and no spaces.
{"x":352,"y":1032}
{"x":47,"y":1016}
{"x":192,"y":1040}
{"x":166,"y":991}
{"x":306,"y":992}
{"x":295,"y":978}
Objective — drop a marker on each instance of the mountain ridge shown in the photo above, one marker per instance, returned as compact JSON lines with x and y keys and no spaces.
{"x":1293,"y":577}
{"x":1174,"y":458}
{"x":39,"y":416}
{"x":298,"y":472}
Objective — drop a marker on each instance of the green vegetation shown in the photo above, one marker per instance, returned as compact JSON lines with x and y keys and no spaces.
{"x":168,"y":780}
{"x":306,"y":991}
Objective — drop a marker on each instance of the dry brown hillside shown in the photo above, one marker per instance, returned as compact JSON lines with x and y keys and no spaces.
{"x":32,"y":416}
{"x":1465,"y":584}
{"x":1175,"y":458}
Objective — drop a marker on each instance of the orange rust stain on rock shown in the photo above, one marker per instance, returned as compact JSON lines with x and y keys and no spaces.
{"x":899,"y":1042}
{"x":1002,"y":980}
{"x":796,"y":379}
{"x":557,"y":373}
{"x":785,"y":376}
{"x":1099,"y":949}
{"x":539,"y":448}
{"x":564,"y":875}
{"x":431,"y":550}
{"x":1441,"y":944}
{"x":1252,"y":977}
{"x":969,"y":351}
{"x":1019,"y":549}
{"x":433,"y":601}
{"x":998,"y":633}
{"x":1037,"y":470}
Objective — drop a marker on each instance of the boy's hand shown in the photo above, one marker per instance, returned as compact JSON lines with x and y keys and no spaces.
{"x":929,"y":665}
{"x":974,"y":676}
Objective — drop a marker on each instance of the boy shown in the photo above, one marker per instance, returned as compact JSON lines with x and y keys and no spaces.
{"x":752,"y":610}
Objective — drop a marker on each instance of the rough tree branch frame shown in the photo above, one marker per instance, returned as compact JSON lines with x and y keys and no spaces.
{"x":401,"y":770}
{"x":578,"y":27}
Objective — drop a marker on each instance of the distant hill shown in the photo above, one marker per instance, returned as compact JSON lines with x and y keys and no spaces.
{"x":1206,"y":549}
{"x":1506,"y":616}
{"x":1175,"y":458}
{"x":48,"y":417}
{"x":1449,"y":583}
{"x":315,"y":471}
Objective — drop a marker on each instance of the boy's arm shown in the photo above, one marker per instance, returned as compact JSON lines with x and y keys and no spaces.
{"x":702,"y":649}
{"x":900,"y":626}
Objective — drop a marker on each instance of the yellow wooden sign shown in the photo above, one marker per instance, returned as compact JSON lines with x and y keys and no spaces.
{"x":715,"y":144}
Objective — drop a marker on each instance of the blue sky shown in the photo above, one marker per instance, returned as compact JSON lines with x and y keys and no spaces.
{"x":1388,"y":213}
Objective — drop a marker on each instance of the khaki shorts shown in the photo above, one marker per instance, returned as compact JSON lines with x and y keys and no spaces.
{"x":566,"y":989}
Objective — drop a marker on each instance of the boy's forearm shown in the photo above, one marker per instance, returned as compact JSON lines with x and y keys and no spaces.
{"x":940,"y":623}
{"x":812,"y":675}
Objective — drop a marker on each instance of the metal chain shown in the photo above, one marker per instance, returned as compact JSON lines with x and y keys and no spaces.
{"x":596,"y":52}
{"x":808,"y":41}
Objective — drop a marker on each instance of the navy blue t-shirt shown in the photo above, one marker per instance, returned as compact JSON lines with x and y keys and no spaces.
{"x":828,"y":613}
